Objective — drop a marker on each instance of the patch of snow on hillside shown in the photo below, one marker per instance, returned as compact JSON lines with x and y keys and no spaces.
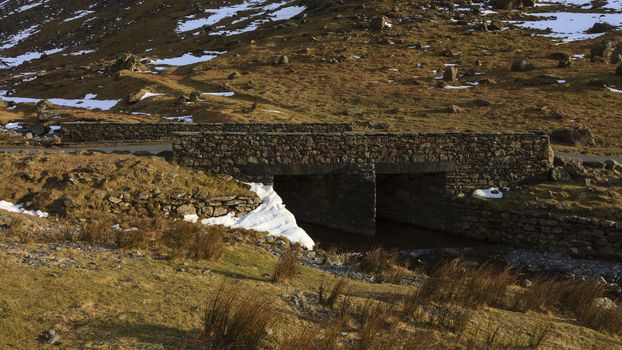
{"x":88,"y":102}
{"x":12,"y":62}
{"x":79,"y":14}
{"x":271,"y":216}
{"x":183,"y":119}
{"x":19,"y":208}
{"x":187,"y":59}
{"x":259,"y":12}
{"x":570,"y":26}
{"x":13,"y":40}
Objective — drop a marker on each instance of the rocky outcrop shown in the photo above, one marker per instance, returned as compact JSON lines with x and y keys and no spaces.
{"x":573,"y":136}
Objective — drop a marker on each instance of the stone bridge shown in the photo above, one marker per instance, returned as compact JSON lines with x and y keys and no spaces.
{"x":345,"y":180}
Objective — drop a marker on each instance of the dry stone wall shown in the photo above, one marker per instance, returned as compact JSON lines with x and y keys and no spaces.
{"x":573,"y":235}
{"x":80,"y":132}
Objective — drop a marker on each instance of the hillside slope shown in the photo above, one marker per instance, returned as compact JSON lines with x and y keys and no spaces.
{"x":336,"y":64}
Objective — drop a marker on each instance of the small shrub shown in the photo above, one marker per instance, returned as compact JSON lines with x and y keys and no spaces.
{"x":235,"y":320}
{"x":287,"y":265}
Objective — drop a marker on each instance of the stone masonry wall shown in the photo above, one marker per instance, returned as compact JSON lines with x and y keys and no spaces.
{"x":573,"y":235}
{"x":409,"y":203}
{"x":476,"y":159}
{"x":98,"y":132}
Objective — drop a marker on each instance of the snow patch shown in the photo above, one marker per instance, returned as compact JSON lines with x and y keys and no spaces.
{"x":88,"y":102}
{"x":271,"y":216}
{"x":488,"y":193}
{"x":19,"y":208}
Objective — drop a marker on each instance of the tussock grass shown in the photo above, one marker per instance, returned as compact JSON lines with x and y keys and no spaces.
{"x":316,"y":338}
{"x":458,"y":282}
{"x":377,"y":261}
{"x":330,"y":299}
{"x":287,"y":266}
{"x":235,"y":319}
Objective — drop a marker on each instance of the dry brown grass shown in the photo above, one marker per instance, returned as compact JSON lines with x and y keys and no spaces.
{"x":378,"y":261}
{"x":602,"y":319}
{"x":458,"y":282}
{"x":287,"y":266}
{"x":235,"y":319}
{"x":188,"y":240}
{"x":552,"y":294}
{"x":331,"y":299}
{"x":316,"y":338}
{"x":95,"y":232}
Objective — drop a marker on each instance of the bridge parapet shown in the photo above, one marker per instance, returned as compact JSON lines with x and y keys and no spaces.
{"x":471,"y":160}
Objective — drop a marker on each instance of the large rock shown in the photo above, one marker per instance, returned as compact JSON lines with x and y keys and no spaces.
{"x":513,"y":4}
{"x":379,"y":23}
{"x":600,"y":27}
{"x":604,"y":51}
{"x":522,"y":65}
{"x":128,"y":61}
{"x":450,"y":74}
{"x":137,"y":96}
{"x":573,"y":136}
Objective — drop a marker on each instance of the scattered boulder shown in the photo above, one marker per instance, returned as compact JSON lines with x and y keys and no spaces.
{"x":136,"y":96}
{"x":56,"y":140}
{"x":564,"y":60}
{"x":603,"y":51}
{"x":128,"y":61}
{"x":450,"y":74}
{"x":522,"y":65}
{"x":182,"y":100}
{"x":44,"y":108}
{"x":234,"y":75}
{"x":573,"y":136}
{"x":513,"y":4}
{"x":380,"y":23}
{"x":3,"y":104}
{"x":495,"y":24}
{"x":282,"y":60}
{"x":455,"y":109}
{"x":195,"y":96}
{"x":600,"y":27}
{"x":49,"y":337}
